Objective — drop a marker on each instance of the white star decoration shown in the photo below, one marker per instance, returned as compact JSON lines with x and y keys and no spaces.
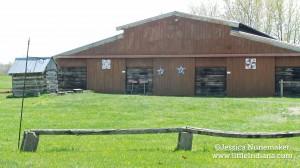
{"x":160,"y":71}
{"x":181,"y":70}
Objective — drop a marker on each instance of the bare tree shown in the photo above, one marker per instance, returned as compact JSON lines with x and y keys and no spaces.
{"x":268,"y":8}
{"x":4,"y":68}
{"x":279,"y":18}
{"x":206,"y":8}
{"x":296,"y":37}
{"x":286,"y":20}
{"x":246,"y":11}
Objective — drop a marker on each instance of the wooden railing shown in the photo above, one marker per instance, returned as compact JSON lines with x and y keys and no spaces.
{"x":185,"y":138}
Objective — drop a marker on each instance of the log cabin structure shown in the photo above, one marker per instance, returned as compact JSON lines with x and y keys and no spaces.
{"x":41,"y":76}
{"x":179,"y":54}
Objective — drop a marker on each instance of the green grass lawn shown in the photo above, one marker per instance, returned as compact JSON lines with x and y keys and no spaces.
{"x":5,"y":82}
{"x":94,"y":110}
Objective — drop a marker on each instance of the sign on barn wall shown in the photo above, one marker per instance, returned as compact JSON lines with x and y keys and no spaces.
{"x":106,"y":64}
{"x":250,"y":63}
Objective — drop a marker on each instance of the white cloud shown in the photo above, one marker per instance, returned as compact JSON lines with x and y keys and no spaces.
{"x":56,"y":25}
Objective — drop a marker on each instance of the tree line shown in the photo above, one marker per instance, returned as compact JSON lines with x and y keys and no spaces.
{"x":278,"y":18}
{"x":4,"y":68}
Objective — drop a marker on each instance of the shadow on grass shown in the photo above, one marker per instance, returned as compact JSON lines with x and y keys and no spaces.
{"x":151,"y":150}
{"x":26,"y":96}
{"x":63,"y":149}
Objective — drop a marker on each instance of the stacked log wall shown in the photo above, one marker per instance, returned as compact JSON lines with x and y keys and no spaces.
{"x":34,"y":84}
{"x":51,"y":81}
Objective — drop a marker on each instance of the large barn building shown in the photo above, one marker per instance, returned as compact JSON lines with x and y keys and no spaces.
{"x":185,"y":55}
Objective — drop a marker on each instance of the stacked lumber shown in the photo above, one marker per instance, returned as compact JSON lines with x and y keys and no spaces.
{"x":210,"y":81}
{"x":72,"y":78}
{"x":291,"y":78}
{"x":34,"y":84}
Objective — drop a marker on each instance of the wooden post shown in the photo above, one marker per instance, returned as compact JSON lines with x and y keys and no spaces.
{"x":30,"y":142}
{"x":281,"y":87}
{"x":131,"y":88}
{"x":185,"y":141}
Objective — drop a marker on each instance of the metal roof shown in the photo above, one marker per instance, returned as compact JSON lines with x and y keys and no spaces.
{"x":95,"y":44}
{"x":184,"y":15}
{"x":273,"y":42}
{"x":34,"y":65}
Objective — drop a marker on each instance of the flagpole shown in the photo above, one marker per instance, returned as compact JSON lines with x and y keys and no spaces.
{"x":24,"y":86}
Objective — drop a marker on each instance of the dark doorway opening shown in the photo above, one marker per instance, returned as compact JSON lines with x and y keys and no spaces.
{"x":210,"y":81}
{"x":70,"y":78}
{"x":291,"y":78}
{"x":139,"y":81}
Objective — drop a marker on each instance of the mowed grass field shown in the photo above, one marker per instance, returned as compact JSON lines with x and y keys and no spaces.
{"x":95,"y":110}
{"x":5,"y":82}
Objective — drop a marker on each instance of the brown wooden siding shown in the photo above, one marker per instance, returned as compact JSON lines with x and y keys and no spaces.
{"x":107,"y":81}
{"x":240,"y":82}
{"x":249,"y":83}
{"x":139,"y":63}
{"x":185,"y":37}
{"x":64,"y":62}
{"x":210,"y":62}
{"x":167,"y":37}
{"x":171,"y":83}
{"x":287,"y":62}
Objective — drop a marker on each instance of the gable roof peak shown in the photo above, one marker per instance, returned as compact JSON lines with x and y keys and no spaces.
{"x":183,"y":15}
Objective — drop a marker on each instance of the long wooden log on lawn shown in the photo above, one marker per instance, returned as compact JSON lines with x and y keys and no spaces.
{"x":185,"y":138}
{"x":231,"y":134}
{"x":201,"y":131}
{"x":105,"y":131}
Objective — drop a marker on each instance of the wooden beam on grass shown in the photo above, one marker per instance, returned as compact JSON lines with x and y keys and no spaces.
{"x":185,"y":137}
{"x":233,"y":134}
{"x":105,"y":131}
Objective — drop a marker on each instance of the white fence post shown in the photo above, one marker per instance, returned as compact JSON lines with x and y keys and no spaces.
{"x":281,"y":87}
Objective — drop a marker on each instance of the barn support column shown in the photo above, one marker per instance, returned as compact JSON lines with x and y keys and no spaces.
{"x":30,"y":142}
{"x":185,"y":141}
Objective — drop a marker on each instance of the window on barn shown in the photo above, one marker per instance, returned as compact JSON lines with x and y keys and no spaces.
{"x":139,"y":80}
